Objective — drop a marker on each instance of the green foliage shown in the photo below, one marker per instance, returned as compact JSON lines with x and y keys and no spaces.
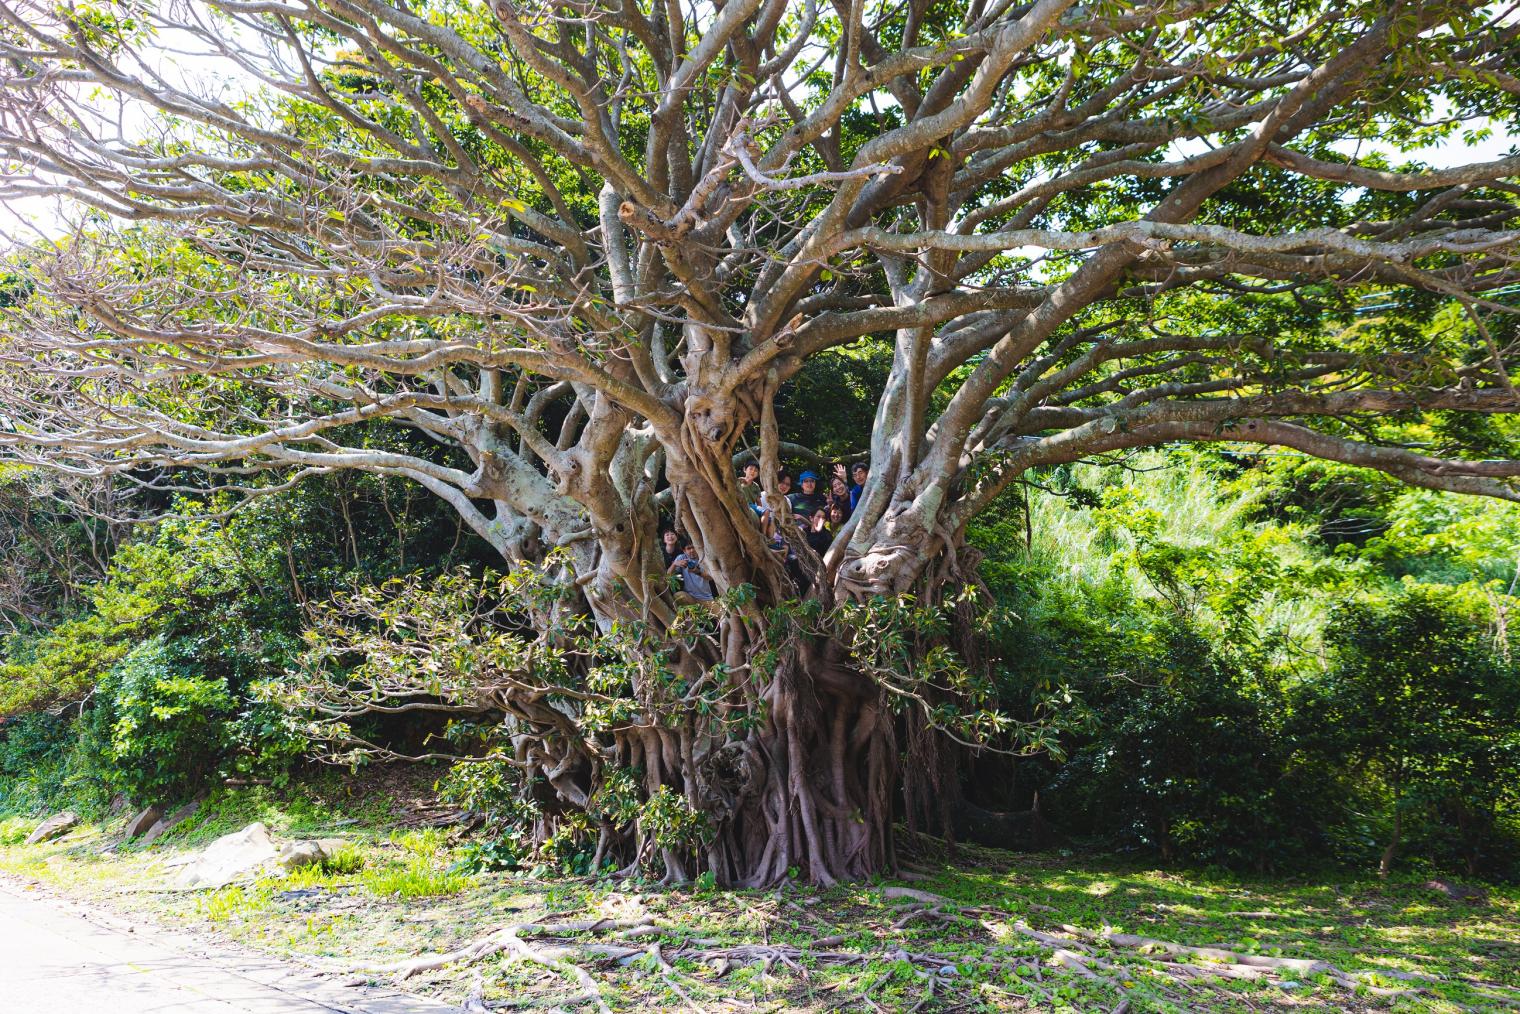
{"x":568,"y":848}
{"x":160,"y":658}
{"x":1196,"y":606}
{"x":672,"y":821}
{"x":415,"y":880}
{"x":235,"y":902}
{"x":493,"y":789}
{"x":62,"y":664}
{"x":1445,"y":539}
{"x":1191,"y":762}
{"x":1418,"y":695}
{"x":53,"y":543}
{"x":168,"y":723}
{"x":421,"y":872}
{"x":192,"y":579}
{"x":486,"y":853}
{"x":263,"y":741}
{"x":830,"y":405}
{"x":41,"y":768}
{"x":15,"y":829}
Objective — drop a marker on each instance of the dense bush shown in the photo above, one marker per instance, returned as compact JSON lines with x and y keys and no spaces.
{"x":40,"y":767}
{"x":1255,"y":695}
{"x":1419,"y":697}
{"x":158,"y":661}
{"x":1192,"y":763}
{"x":168,"y":722}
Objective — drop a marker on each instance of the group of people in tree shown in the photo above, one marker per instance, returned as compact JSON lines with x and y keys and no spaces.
{"x":818,"y":512}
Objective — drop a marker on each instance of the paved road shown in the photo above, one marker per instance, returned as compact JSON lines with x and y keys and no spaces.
{"x":58,"y":958}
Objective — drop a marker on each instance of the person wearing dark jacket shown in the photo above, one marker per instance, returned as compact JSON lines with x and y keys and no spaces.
{"x":808,"y":499}
{"x":818,"y":535}
{"x":670,"y":547}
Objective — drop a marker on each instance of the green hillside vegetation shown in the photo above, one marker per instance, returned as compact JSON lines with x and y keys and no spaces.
{"x":1220,"y":661}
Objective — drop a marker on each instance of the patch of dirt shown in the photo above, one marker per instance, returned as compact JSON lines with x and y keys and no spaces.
{"x":413,"y":787}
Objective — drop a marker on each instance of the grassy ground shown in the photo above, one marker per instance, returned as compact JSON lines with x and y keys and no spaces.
{"x":996,"y":932}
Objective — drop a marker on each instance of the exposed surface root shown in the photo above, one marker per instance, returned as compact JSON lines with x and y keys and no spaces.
{"x":509,"y":939}
{"x":1105,"y":957}
{"x":1081,"y":951}
{"x":612,"y":940}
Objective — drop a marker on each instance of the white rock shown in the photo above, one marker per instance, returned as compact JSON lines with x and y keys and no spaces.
{"x":228,"y":858}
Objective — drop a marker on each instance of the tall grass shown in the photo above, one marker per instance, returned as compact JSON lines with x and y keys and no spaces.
{"x":420,"y":873}
{"x":1078,"y":555}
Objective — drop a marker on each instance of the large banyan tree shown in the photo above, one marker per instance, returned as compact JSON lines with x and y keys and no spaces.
{"x":582,"y":245}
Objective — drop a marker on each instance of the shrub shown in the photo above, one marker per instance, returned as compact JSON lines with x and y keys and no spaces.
{"x":1194,"y":764}
{"x":31,"y":752}
{"x":168,"y":723}
{"x":265,"y":742}
{"x":15,"y":830}
{"x":1418,"y":697}
{"x":42,"y":767}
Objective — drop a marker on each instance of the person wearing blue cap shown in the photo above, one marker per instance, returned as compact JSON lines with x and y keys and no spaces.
{"x":807,"y":500}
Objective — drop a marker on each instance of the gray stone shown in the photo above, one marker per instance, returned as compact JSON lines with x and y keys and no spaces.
{"x":301,"y":853}
{"x":228,"y":858}
{"x":144,"y":820}
{"x":56,"y":826}
{"x":1458,"y":892}
{"x":165,"y":823}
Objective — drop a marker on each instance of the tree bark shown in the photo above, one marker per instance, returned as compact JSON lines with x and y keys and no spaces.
{"x":1385,"y":865}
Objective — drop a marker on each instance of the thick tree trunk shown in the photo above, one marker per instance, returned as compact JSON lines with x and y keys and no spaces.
{"x":796,"y":764}
{"x":798,"y":783}
{"x":791,"y":754}
{"x":810,"y":790}
{"x":791,"y":760}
